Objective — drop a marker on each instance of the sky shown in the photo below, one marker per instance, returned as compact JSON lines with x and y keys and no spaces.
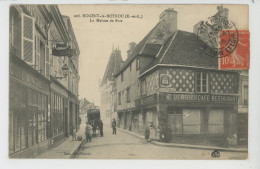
{"x":96,"y":39}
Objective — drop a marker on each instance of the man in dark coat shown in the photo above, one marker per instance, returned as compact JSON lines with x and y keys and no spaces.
{"x":101,"y":128}
{"x":114,"y":126}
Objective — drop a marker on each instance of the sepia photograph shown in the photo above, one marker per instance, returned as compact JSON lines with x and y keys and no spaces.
{"x":114,"y":81}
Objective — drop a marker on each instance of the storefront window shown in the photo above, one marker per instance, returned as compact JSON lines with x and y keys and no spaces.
{"x":57,"y":122}
{"x":23,"y":122}
{"x":174,"y":110}
{"x":17,"y":133}
{"x":216,"y":122}
{"x":11,"y":132}
{"x":191,"y":121}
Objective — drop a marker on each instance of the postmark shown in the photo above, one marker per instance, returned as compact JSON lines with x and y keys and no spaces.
{"x":219,"y":36}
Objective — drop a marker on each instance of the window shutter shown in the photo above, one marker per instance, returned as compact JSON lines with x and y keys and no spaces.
{"x":47,"y":63}
{"x":37,"y":52}
{"x":28,"y":49}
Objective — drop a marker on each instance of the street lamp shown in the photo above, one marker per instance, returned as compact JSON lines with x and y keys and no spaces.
{"x":65,"y":71}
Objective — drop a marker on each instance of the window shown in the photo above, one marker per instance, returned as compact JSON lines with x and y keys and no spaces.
{"x":128,"y":94}
{"x":42,"y":114}
{"x":245,"y":95}
{"x":28,"y":25}
{"x":42,"y":58}
{"x":143,"y":88}
{"x":130,"y":67}
{"x":216,"y":122}
{"x":202,"y":82}
{"x":119,"y":98}
{"x":14,"y":32}
{"x":191,"y":121}
{"x":137,"y":63}
{"x":122,"y":76}
{"x":174,"y":110}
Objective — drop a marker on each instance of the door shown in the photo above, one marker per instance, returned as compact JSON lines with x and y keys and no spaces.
{"x":66,"y":121}
{"x":175,"y":123}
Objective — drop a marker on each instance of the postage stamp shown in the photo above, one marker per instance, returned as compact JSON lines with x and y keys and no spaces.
{"x":240,"y":57}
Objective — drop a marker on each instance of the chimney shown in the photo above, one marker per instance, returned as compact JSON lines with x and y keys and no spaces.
{"x":169,"y":16}
{"x":131,"y":48}
{"x":222,"y":11}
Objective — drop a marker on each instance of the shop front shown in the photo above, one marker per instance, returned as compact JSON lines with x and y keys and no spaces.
{"x":58,"y":112}
{"x":28,"y":110}
{"x":73,"y":117}
{"x":206,"y":119}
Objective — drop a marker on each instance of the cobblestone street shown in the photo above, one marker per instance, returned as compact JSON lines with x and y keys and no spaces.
{"x":126,"y":146}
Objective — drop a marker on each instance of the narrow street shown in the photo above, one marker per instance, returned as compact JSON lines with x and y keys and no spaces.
{"x":126,"y":146}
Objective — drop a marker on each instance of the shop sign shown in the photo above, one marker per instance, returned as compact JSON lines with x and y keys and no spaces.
{"x":152,"y":99}
{"x":165,"y":80}
{"x":64,"y":52}
{"x":213,"y":98}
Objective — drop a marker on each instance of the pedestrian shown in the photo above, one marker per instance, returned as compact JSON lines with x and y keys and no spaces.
{"x":101,"y":128}
{"x":114,"y":126}
{"x":94,"y":127}
{"x":87,"y":132}
{"x":152,"y":132}
{"x":147,"y":134}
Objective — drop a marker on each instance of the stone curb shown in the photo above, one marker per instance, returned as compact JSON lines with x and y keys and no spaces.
{"x":75,"y":152}
{"x":242,"y":150}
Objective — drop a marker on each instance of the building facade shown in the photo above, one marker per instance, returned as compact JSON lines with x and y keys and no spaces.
{"x":168,"y":81}
{"x":108,"y":87}
{"x":242,"y":116}
{"x":40,"y":114}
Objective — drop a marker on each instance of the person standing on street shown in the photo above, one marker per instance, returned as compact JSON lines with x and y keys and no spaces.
{"x":101,"y":128}
{"x":152,"y":132}
{"x":87,"y":132}
{"x":114,"y":126}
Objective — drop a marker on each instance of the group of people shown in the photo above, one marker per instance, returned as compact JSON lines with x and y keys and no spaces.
{"x":93,"y":126}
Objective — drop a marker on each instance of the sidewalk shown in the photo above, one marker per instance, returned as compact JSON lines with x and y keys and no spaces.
{"x":200,"y":147}
{"x":67,"y":149}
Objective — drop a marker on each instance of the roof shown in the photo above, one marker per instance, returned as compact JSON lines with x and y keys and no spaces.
{"x":112,"y":66}
{"x":183,"y":48}
{"x":137,"y":50}
{"x":178,"y":48}
{"x":84,"y":103}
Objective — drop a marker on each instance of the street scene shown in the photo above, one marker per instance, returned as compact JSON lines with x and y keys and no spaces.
{"x":128,"y":82}
{"x":126,"y":146}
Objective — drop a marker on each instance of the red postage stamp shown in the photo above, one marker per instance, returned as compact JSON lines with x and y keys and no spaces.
{"x":240,"y":57}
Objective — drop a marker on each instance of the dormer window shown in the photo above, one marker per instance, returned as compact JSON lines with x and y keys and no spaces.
{"x":137,"y":64}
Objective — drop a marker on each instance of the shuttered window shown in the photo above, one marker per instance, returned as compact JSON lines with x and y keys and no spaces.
{"x":28,"y":36}
{"x":42,"y":58}
{"x":37,"y":52}
{"x":47,"y":62}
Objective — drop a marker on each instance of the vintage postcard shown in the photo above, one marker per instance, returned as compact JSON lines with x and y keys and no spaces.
{"x":129,"y":81}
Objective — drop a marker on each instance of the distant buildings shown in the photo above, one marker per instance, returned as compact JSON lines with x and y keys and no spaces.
{"x":108,"y":87}
{"x":85,"y":105}
{"x":44,"y":105}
